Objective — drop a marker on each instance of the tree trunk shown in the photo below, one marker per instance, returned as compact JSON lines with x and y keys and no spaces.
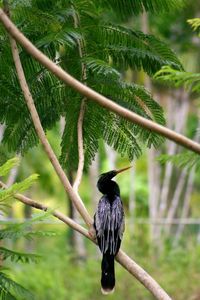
{"x":27,"y":215}
{"x":186,"y":205}
{"x":179,"y":112}
{"x":132,"y":200}
{"x":112,"y":157}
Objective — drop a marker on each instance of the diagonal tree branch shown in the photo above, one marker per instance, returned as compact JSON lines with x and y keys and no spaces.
{"x":132,"y":267}
{"x":91,"y":94}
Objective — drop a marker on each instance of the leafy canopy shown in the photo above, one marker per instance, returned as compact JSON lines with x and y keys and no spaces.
{"x":61,"y":29}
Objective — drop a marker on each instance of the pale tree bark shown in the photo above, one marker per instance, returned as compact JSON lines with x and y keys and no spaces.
{"x":91,"y":94}
{"x":182,"y":179}
{"x":131,"y":203}
{"x":188,"y":192}
{"x":153,"y":167}
{"x":93,"y":175}
{"x":111,"y":156}
{"x":76,"y":240}
{"x":2,"y":128}
{"x":186,"y":206}
{"x":154,"y":190}
{"x":94,"y":171}
{"x":180,"y":115}
{"x":81,"y":49}
{"x":175,"y":200}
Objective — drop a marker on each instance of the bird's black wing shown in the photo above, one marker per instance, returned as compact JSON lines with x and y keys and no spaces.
{"x":109,"y":224}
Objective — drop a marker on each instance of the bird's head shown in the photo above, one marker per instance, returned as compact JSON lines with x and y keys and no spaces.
{"x":105,"y":184}
{"x":109,"y":175}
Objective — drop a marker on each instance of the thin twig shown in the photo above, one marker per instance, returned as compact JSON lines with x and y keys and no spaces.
{"x":81,"y":157}
{"x":91,"y":94}
{"x":132,"y":267}
{"x":79,"y":173}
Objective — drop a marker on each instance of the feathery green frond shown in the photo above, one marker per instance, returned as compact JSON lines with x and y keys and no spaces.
{"x":185,"y":159}
{"x":195,"y":23}
{"x":177,"y":78}
{"x":134,"y":49}
{"x":98,"y":67}
{"x":10,"y":289}
{"x":107,"y":50}
{"x":127,"y":8}
{"x":17,"y":230}
{"x":67,"y":36}
{"x":15,"y":256}
{"x":11,"y":163}
{"x":17,"y":187}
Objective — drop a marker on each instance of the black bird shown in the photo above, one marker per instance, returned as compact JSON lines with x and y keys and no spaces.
{"x":109,"y":226}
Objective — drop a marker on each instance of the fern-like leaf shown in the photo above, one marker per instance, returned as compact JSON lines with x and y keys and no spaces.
{"x":177,"y":78}
{"x":194,"y":23}
{"x":15,"y":231}
{"x":15,"y":256}
{"x":130,"y":48}
{"x":17,"y":187}
{"x":11,"y":163}
{"x":10,"y":289}
{"x":127,"y":8}
{"x":185,"y":160}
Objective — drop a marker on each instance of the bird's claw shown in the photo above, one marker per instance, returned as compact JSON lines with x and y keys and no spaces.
{"x":92,"y":232}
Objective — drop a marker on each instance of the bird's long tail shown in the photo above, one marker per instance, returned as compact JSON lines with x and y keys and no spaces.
{"x":108,"y":274}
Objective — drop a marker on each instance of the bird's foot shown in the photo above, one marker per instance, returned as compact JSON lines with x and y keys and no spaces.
{"x":92,"y":232}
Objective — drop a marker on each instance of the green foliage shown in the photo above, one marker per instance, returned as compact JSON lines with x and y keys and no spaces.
{"x":15,"y":256}
{"x":134,"y":49}
{"x":126,"y":8}
{"x":18,"y":230}
{"x":11,"y":290}
{"x":189,"y":80}
{"x":11,"y":163}
{"x":185,"y":159}
{"x":17,"y":187}
{"x":107,"y":49}
{"x":194,"y":23}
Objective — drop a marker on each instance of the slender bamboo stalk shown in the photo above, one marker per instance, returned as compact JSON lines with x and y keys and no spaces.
{"x":91,"y":94}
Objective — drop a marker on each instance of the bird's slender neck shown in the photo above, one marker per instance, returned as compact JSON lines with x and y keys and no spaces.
{"x":108,"y":187}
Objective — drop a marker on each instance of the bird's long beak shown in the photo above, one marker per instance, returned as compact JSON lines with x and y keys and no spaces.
{"x":122,"y":170}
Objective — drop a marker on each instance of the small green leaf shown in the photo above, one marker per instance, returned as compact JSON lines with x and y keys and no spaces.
{"x":11,"y":163}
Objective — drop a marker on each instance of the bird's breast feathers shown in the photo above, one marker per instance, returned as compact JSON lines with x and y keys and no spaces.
{"x":109,"y":224}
